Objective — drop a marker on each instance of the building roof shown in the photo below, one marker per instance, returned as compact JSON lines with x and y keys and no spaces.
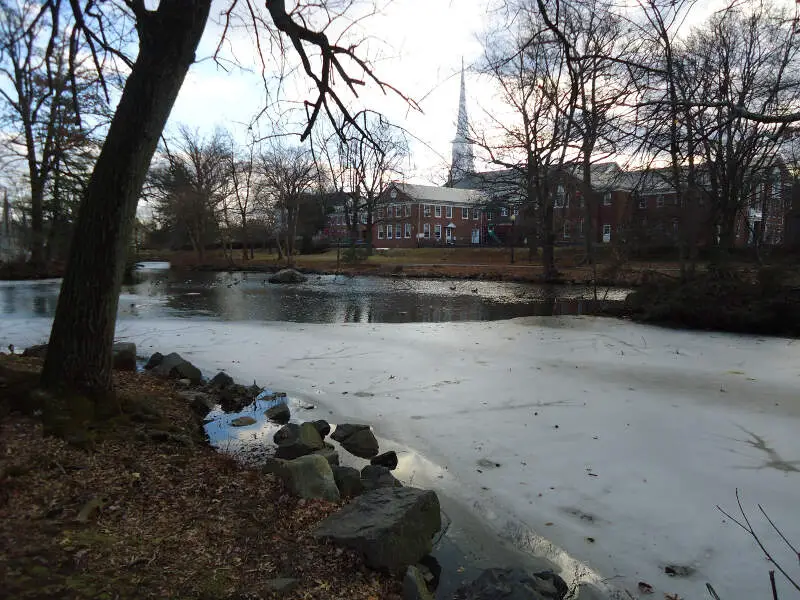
{"x":440,"y":195}
{"x":605,"y":176}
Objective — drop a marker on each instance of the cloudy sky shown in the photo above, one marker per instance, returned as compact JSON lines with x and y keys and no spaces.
{"x":416,"y":45}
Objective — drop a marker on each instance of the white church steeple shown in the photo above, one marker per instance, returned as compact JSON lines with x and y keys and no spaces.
{"x":463,"y":161}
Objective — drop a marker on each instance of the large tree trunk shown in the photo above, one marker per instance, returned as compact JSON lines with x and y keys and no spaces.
{"x":37,"y":223}
{"x":79,"y":354}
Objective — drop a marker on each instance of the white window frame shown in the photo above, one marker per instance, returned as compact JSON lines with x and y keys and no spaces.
{"x":516,"y":212}
{"x":389,"y":231}
{"x":465,"y":213}
{"x":448,"y":212}
{"x":607,"y":229}
{"x":660,"y":201}
{"x":363,"y":218}
{"x":437,"y":231}
{"x":642,"y":201}
{"x":407,"y":233}
{"x":426,"y":231}
{"x":380,"y":213}
{"x":606,"y":198}
{"x":580,"y":226}
{"x":427,"y":210}
{"x":408,"y":210}
{"x":476,"y":214}
{"x":380,"y":232}
{"x":398,"y":211}
{"x":437,"y":211}
{"x":503,"y":211}
{"x":566,"y":231}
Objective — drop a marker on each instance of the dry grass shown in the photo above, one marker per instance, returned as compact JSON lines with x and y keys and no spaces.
{"x":139,"y":518}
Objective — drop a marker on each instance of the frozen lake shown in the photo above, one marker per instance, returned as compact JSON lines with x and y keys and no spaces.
{"x":602,"y":445}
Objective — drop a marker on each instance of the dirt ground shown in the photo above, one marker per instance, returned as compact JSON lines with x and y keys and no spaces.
{"x":144,"y":509}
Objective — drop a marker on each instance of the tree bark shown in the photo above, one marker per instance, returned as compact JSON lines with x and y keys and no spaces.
{"x":79,"y":354}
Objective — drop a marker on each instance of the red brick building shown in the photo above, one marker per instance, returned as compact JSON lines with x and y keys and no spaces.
{"x":411,"y":215}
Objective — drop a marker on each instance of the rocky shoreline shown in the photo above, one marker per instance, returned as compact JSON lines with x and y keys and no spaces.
{"x":390,"y":525}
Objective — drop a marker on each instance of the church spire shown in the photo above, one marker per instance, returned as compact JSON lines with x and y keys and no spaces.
{"x":463,"y":158}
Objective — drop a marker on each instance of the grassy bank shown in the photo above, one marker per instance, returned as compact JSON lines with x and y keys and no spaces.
{"x":466,"y":263}
{"x":145,"y":509}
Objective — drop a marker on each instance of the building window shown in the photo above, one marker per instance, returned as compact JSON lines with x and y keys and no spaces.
{"x":675,"y":226}
{"x":504,"y":212}
{"x":607,"y":199}
{"x":449,"y":212}
{"x":660,"y":201}
{"x":490,"y":215}
{"x":363,"y":218}
{"x":427,"y":210}
{"x":426,"y":231}
{"x":464,"y":213}
{"x":380,"y":232}
{"x":437,"y":230}
{"x":566,"y":233}
{"x":407,"y":230}
{"x":580,"y":226}
{"x":437,"y":211}
{"x":380,"y":213}
{"x":606,"y":233}
{"x":581,"y":201}
{"x":558,"y":201}
{"x":388,"y":232}
{"x":516,"y":212}
{"x":408,"y":210}
{"x":642,"y":201}
{"x":475,"y":214}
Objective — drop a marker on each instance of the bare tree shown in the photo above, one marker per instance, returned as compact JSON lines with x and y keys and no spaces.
{"x":290,"y":174}
{"x":373,"y":156}
{"x":242,"y":166}
{"x":79,"y":353}
{"x":534,"y":140}
{"x":191,"y":187}
{"x":42,"y":96}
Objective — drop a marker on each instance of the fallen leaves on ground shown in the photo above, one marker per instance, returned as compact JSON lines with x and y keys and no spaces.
{"x":136,"y":518}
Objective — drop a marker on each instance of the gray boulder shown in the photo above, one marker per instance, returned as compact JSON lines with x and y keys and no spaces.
{"x":235,"y":397}
{"x":155,"y":359}
{"x":295,"y":441}
{"x":414,"y":586}
{"x":200,"y":403}
{"x":279,"y":413}
{"x":345,"y":430}
{"x":124,"y":356}
{"x":377,"y":476}
{"x":176,"y":367}
{"x":309,"y":477}
{"x":391,"y":527}
{"x":387,"y":459}
{"x":288,"y":276}
{"x":514,"y":584}
{"x":329,"y":453}
{"x":348,"y":480}
{"x":323,"y":427}
{"x":221,"y":380}
{"x":356,"y":439}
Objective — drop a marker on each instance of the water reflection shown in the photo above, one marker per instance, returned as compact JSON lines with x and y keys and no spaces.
{"x":323,"y":299}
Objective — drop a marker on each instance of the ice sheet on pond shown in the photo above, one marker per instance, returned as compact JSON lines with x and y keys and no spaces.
{"x":614,"y":441}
